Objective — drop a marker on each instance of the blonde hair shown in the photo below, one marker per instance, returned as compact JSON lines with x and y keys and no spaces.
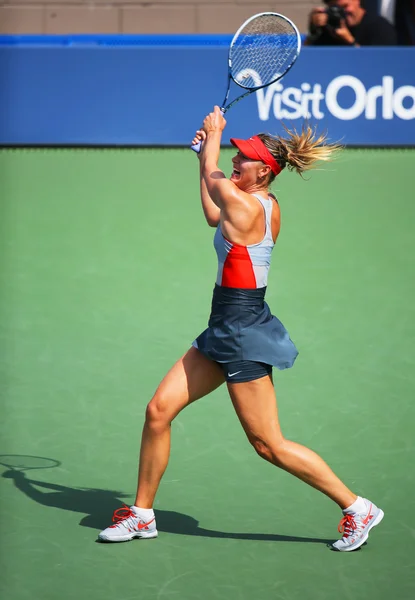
{"x":300,"y":151}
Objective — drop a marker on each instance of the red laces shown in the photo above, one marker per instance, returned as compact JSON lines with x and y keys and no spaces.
{"x":347,"y":525}
{"x":122,"y":513}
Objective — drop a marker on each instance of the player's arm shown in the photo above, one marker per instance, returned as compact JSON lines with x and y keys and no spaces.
{"x":210,"y":209}
{"x":223,"y":192}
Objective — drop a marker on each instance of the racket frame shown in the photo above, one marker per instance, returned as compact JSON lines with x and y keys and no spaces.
{"x":3,"y":462}
{"x":197,"y":147}
{"x":224,"y":107}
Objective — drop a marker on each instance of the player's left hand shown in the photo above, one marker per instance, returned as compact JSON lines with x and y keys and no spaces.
{"x":200,"y":136}
{"x":214,"y":121}
{"x":343,"y":33}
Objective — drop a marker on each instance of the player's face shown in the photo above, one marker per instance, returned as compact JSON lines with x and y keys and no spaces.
{"x":352,"y":9}
{"x":245,"y":171}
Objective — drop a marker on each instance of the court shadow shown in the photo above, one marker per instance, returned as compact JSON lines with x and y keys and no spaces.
{"x":98,"y":506}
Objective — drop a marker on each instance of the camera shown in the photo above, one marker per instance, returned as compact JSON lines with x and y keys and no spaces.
{"x":335,"y":15}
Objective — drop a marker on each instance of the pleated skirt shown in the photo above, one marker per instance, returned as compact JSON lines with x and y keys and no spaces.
{"x":241,"y":327}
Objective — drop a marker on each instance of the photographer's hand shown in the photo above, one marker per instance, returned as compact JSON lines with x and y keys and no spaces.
{"x":318,"y":17}
{"x":344,"y":34}
{"x":317,"y":20}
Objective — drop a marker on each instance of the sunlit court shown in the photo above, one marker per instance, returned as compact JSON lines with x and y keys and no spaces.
{"x":106,"y":277}
{"x":108,"y":266}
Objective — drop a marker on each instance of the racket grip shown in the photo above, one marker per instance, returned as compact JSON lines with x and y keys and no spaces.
{"x":197,"y":147}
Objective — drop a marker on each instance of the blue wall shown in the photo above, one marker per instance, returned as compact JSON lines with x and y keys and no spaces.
{"x":156,"y":93}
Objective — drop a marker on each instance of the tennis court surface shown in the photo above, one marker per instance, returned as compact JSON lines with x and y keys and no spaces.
{"x":107,"y":268}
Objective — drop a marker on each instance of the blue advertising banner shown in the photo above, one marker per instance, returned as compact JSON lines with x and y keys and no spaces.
{"x":157,"y":95}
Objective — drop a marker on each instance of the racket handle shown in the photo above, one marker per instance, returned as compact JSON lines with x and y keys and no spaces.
{"x":197,"y":147}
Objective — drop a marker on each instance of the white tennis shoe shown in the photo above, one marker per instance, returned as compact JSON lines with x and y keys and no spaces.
{"x":129,"y":525}
{"x":355,"y":527}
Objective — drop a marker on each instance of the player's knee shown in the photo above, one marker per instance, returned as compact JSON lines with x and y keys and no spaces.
{"x":157,"y":413}
{"x":270,"y":452}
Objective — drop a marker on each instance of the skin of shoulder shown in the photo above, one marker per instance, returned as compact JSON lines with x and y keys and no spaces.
{"x":248,"y":229}
{"x":241,"y":214}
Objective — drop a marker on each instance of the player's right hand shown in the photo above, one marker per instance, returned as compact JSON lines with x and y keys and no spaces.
{"x":214,"y":121}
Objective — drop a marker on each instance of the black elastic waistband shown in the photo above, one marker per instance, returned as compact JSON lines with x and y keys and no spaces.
{"x":240,"y":296}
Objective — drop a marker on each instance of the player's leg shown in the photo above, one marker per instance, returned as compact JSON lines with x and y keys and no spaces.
{"x":256,"y":406}
{"x":192,"y":377}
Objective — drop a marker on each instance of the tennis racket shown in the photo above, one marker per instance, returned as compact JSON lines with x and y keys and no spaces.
{"x":262,"y":51}
{"x":18,"y":462}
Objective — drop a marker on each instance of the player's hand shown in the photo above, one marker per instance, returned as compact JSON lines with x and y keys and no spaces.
{"x":318,"y":17}
{"x":200,"y":136}
{"x":343,"y":33}
{"x":214,"y":121}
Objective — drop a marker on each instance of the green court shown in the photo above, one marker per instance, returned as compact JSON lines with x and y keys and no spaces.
{"x":107,"y":269}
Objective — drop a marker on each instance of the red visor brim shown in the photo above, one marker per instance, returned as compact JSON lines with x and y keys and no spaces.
{"x":245,"y":148}
{"x":255,"y":149}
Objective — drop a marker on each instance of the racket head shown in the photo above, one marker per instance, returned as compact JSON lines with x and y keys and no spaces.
{"x":263,"y":50}
{"x":19,"y":462}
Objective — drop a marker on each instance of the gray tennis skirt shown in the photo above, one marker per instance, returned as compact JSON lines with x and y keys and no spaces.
{"x":241,"y":327}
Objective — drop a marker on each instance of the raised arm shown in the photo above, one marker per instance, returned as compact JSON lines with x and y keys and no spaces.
{"x":221,"y":191}
{"x":210,"y":210}
{"x":237,"y":208}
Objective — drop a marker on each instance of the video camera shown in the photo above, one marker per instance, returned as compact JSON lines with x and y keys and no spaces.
{"x":335,"y":14}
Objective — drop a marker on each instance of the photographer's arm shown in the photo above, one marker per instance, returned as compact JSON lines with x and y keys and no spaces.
{"x":316,"y":23}
{"x":344,"y":34}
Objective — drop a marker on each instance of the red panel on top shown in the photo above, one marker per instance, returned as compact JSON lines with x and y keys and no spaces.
{"x":238,"y":271}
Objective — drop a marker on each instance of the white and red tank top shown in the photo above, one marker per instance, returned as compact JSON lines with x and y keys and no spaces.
{"x":245,"y":266}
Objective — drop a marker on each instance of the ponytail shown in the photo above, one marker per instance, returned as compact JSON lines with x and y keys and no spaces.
{"x":300,"y":151}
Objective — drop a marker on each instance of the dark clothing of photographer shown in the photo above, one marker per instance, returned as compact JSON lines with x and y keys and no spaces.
{"x":372,"y":30}
{"x":401,"y":13}
{"x":347,"y":23}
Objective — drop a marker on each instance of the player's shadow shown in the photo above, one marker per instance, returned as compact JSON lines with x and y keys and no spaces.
{"x":98,"y":505}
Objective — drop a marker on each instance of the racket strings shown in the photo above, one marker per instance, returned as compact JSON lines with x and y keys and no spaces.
{"x":263,"y":50}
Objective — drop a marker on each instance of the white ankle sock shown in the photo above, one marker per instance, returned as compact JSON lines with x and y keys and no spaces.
{"x":358,"y":506}
{"x":145,"y":513}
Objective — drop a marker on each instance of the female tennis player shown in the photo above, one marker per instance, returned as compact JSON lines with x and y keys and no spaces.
{"x":243,"y":340}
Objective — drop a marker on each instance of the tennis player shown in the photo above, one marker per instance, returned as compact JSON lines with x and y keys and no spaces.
{"x":243,"y":340}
